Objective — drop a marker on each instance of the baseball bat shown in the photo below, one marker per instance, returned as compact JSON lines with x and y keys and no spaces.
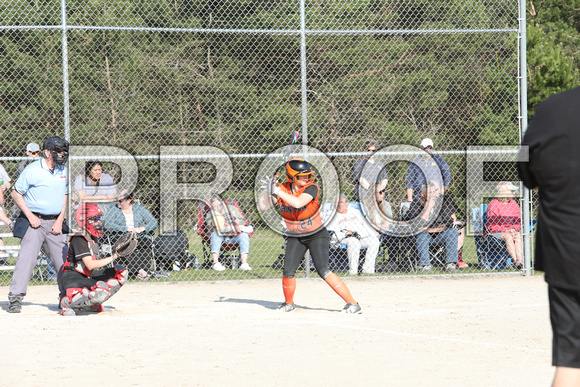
{"x":287,"y":151}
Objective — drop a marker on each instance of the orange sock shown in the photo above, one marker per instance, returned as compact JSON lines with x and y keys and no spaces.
{"x":340,"y":288}
{"x":289,"y":287}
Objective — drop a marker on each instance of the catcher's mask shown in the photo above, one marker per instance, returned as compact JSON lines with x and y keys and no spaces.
{"x":57,"y":145}
{"x":88,"y":216}
{"x":298,"y":167}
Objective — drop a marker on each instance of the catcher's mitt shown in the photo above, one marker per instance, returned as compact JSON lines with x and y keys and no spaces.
{"x":126,"y":244}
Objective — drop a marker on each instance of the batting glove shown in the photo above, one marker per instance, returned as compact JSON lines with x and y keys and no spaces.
{"x":270,"y":186}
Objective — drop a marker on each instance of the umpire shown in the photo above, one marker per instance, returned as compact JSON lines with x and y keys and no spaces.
{"x":41,"y":194}
{"x":553,"y":136}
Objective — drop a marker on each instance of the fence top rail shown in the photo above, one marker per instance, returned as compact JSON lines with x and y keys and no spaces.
{"x":268,"y":31}
{"x":263,"y":155}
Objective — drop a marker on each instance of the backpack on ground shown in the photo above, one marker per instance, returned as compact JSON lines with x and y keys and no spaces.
{"x":171,"y":250}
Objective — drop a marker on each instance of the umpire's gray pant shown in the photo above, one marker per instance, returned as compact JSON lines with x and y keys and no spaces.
{"x":30,"y":245}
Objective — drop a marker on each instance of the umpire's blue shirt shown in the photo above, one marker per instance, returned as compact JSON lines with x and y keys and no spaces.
{"x":43,"y":190}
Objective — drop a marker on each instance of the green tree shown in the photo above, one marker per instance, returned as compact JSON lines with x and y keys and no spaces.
{"x":553,"y":49}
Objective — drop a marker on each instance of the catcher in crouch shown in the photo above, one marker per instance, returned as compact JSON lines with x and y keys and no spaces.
{"x":83,"y":290}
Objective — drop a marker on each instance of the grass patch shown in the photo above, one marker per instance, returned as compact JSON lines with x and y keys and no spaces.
{"x":265,"y":247}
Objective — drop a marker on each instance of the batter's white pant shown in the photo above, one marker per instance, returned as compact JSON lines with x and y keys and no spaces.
{"x":353,"y":249}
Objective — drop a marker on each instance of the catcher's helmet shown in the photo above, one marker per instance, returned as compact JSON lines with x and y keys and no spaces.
{"x":57,"y":145}
{"x":298,"y":167}
{"x":87,"y":211}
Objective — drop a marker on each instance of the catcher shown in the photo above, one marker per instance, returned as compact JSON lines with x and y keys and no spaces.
{"x":85,"y":291}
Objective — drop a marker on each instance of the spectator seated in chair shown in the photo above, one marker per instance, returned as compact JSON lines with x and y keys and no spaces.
{"x":125,"y":216}
{"x":352,"y":229}
{"x":438,"y":214}
{"x":379,"y":214}
{"x":504,"y":221}
{"x":377,"y":210}
{"x":227,"y":225}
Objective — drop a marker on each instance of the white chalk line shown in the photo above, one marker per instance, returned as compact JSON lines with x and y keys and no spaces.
{"x":416,"y":335}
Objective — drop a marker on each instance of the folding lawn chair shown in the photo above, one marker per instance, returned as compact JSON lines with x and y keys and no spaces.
{"x":226,"y":257}
{"x":491,"y":253}
{"x":338,"y":255}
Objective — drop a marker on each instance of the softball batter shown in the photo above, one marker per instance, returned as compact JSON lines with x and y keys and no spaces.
{"x":299,"y":204}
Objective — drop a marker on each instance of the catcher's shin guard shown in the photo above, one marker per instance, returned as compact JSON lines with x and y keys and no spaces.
{"x":98,"y":294}
{"x":118,"y":280}
{"x":76,"y":297}
{"x":65,"y":308}
{"x":121,"y":274}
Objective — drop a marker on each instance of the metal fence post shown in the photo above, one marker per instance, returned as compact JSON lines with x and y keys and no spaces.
{"x":304,"y":94}
{"x":523,"y":126}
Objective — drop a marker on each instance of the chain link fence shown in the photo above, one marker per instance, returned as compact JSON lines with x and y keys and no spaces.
{"x":179,"y":99}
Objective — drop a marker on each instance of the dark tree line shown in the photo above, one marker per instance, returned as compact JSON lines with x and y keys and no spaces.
{"x":140,"y":89}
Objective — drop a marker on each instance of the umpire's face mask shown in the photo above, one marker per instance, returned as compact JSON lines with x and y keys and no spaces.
{"x":59,"y":158}
{"x":58,"y":148}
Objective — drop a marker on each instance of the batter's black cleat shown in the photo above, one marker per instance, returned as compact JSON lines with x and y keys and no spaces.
{"x":285,"y":307}
{"x":15,"y":305}
{"x":352,"y":308}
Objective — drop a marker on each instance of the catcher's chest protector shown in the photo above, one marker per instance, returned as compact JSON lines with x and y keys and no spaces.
{"x":79,"y":266}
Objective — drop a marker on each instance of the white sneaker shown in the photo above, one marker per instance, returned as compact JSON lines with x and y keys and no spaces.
{"x":245,"y":266}
{"x":218,"y":267}
{"x":352,"y":308}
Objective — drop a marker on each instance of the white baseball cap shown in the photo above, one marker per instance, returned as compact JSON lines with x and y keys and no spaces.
{"x":32,"y":147}
{"x":426,"y":142}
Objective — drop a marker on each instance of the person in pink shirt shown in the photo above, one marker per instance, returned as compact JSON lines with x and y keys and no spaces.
{"x":504,"y":221}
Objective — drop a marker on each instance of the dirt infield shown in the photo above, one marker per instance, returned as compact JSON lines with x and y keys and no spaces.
{"x":458,"y":331}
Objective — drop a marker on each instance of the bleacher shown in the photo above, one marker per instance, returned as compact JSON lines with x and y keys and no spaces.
{"x":8,"y":251}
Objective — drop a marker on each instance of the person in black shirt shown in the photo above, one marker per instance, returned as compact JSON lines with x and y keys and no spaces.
{"x":552,"y":140}
{"x":367,"y":171}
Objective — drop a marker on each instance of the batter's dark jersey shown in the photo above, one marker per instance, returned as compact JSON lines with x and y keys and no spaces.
{"x":553,"y":137}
